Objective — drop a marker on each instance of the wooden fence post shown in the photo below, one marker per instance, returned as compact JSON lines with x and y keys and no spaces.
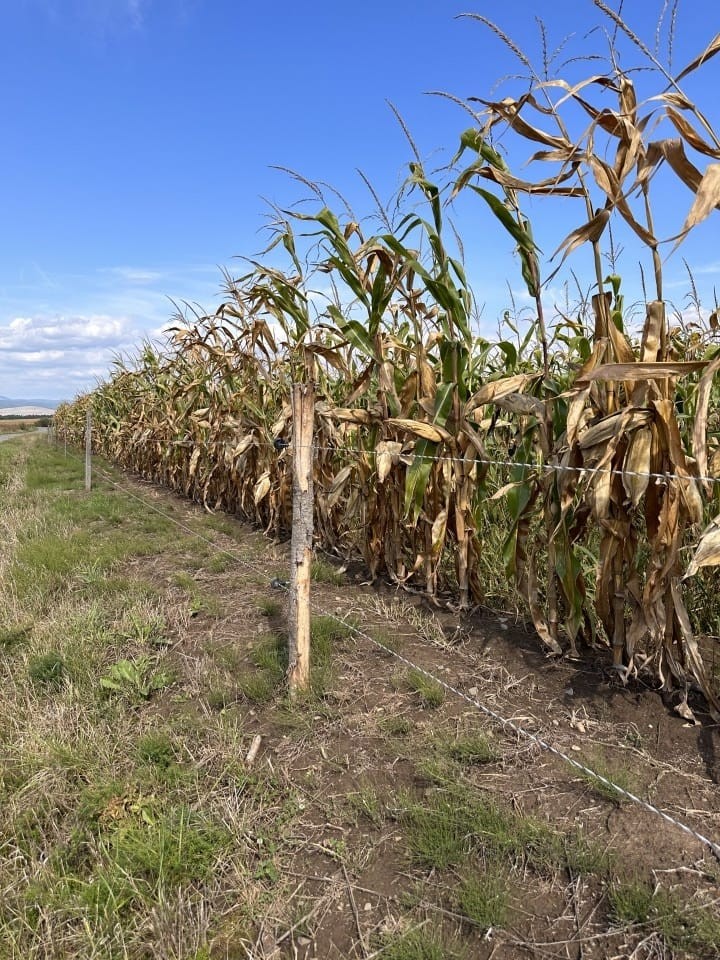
{"x":303,"y":406}
{"x":88,"y":449}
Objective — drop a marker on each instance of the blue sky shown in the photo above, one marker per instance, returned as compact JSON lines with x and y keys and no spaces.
{"x":139,"y":138}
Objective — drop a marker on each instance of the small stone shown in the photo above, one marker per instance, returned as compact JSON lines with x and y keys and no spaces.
{"x":569,"y":692}
{"x":575,"y":748}
{"x":556,"y":723}
{"x":473,"y":691}
{"x":367,"y":907}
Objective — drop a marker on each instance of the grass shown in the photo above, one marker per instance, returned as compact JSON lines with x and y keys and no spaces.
{"x":431,"y":694}
{"x":14,"y":636}
{"x":455,"y":823}
{"x":622,"y":776}
{"x":424,"y":943}
{"x":47,"y":669}
{"x":470,"y":749}
{"x":397,"y":726}
{"x":198,"y":600}
{"x":682,"y":925}
{"x":368,"y":804}
{"x":484,"y":898}
{"x":323,"y":572}
{"x":269,"y":608}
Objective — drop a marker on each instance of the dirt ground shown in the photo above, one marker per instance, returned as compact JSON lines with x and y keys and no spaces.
{"x":372,"y":736}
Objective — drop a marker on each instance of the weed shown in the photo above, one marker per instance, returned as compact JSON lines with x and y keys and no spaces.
{"x":184,"y":581}
{"x":210,"y":605}
{"x":220,"y":562}
{"x":47,"y":669}
{"x":397,"y":726}
{"x":14,"y":636}
{"x":269,"y":608}
{"x":367,"y":803}
{"x":148,"y":629}
{"x":429,"y":691}
{"x":484,"y":898}
{"x":472,"y":749}
{"x":323,"y":572}
{"x":156,"y":748}
{"x":621,"y":776}
{"x":135,"y":679}
{"x":418,"y":944}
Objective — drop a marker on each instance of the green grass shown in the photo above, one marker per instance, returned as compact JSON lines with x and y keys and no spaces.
{"x":47,"y":669}
{"x":323,"y":572}
{"x":484,"y":897}
{"x":16,"y":635}
{"x":269,"y":608}
{"x":682,"y":925}
{"x":157,"y":749}
{"x":622,"y":776}
{"x":430,"y":693}
{"x":455,"y":822}
{"x":471,"y":749}
{"x":419,"y":944}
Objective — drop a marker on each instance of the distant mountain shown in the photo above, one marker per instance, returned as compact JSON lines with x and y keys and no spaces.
{"x":26,"y":402}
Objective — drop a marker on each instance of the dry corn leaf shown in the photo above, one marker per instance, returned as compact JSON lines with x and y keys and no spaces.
{"x":491,"y":391}
{"x":425,"y":431}
{"x":699,"y":439}
{"x":588,"y":233}
{"x":707,"y":199}
{"x":707,"y":551}
{"x":262,"y":487}
{"x":712,"y":48}
{"x":439,"y":529}
{"x":690,"y":134}
{"x":632,"y":372}
{"x":337,"y":486}
{"x":387,"y":455}
{"x":637,"y":465}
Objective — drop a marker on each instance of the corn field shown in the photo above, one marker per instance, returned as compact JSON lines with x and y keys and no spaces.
{"x":565,"y":467}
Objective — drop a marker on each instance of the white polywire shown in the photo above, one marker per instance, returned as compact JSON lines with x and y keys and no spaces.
{"x":545,"y":467}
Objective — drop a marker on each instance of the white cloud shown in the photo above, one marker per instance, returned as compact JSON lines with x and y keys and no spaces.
{"x":33,"y":334}
{"x":57,"y":338}
{"x":59,"y":356}
{"x":135,"y":274}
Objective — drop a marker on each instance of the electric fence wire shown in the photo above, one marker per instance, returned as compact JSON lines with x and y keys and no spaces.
{"x":410,"y":455}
